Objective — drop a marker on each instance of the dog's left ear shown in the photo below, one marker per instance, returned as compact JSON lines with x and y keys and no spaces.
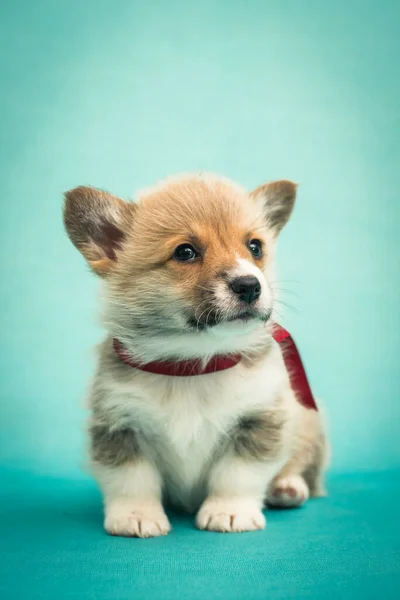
{"x":277,"y":199}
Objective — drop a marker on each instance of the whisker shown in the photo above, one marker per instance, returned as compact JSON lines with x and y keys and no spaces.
{"x":205,"y":288}
{"x":287,"y":281}
{"x":208,"y":315}
{"x":197,"y":308}
{"x":198,"y":320}
{"x":275,"y":312}
{"x":280,"y":289}
{"x":289,"y":306}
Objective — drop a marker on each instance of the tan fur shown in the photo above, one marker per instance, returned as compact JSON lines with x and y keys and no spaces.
{"x":218,"y":443}
{"x":309,"y":453}
{"x":211,"y":216}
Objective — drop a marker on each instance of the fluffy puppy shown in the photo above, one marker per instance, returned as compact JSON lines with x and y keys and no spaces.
{"x":192,"y":403}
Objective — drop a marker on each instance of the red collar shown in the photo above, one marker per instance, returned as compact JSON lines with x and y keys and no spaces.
{"x":189,"y":368}
{"x":183,"y":368}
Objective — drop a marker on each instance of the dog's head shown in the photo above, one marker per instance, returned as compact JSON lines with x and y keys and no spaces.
{"x":190,"y":261}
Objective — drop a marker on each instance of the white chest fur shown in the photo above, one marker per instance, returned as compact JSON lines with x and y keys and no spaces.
{"x":183,"y":420}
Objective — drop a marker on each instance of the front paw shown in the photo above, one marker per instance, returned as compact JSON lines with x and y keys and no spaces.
{"x":136,"y":520}
{"x":230,"y":516}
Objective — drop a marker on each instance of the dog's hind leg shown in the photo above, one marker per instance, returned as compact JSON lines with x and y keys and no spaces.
{"x":302,"y":476}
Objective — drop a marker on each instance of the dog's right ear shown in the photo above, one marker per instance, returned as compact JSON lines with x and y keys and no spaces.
{"x":97,"y":223}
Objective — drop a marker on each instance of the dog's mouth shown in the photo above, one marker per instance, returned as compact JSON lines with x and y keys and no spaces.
{"x":214,"y":318}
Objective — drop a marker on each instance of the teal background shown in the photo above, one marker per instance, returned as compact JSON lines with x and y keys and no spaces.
{"x":118,"y":95}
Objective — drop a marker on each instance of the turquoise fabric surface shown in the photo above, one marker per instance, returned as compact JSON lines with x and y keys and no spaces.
{"x":343,"y":547}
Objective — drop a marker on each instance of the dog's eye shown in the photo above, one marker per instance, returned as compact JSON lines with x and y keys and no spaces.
{"x":255,"y":247}
{"x":185,"y":253}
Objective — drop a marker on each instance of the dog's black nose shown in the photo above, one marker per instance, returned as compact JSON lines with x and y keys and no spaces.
{"x":247,"y":287}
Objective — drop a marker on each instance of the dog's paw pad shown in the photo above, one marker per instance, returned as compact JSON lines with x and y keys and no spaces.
{"x":288,"y":492}
{"x":229,"y":517}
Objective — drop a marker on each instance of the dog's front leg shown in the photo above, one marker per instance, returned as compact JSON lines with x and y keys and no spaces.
{"x":131,"y":485}
{"x":238,"y":481}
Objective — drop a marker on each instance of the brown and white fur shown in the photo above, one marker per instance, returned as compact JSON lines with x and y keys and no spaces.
{"x":220,"y":444}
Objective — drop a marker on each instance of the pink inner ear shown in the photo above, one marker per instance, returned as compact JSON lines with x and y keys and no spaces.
{"x":109,"y":237}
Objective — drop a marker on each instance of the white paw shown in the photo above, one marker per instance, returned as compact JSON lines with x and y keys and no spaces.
{"x":136,"y":520}
{"x":288,"y":492}
{"x":224,"y":515}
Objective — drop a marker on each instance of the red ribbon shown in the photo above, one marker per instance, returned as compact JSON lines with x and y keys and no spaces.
{"x":295,"y":367}
{"x":190,"y":368}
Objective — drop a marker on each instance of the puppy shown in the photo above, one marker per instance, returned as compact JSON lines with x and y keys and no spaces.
{"x":192,"y":403}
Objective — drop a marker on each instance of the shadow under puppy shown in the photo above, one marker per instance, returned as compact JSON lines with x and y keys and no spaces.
{"x":192,"y":403}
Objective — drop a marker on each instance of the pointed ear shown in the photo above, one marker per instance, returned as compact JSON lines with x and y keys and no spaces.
{"x":97,"y":223}
{"x":277,"y":199}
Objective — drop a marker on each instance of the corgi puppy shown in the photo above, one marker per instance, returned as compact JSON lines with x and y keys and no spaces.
{"x":192,"y":403}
